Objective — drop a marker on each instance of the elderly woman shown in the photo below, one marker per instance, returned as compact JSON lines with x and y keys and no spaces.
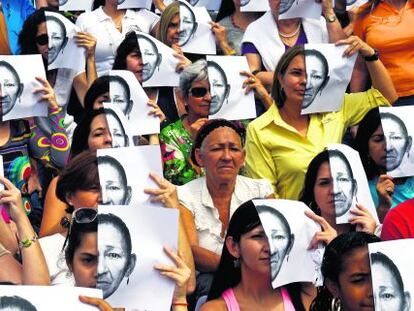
{"x":177,"y":138}
{"x":207,"y":203}
{"x":281,"y":143}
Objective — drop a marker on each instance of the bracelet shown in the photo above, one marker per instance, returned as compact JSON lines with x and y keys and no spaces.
{"x":373,"y":57}
{"x":232,"y":52}
{"x":180,"y":304}
{"x":28,"y":242}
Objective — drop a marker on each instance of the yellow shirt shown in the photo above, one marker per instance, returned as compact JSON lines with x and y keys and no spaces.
{"x":278,"y":152}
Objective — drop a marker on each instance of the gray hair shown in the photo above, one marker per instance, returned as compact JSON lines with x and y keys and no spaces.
{"x":197,"y":71}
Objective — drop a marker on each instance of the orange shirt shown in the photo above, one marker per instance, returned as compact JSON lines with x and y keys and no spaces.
{"x":4,"y":41}
{"x":392,"y":33}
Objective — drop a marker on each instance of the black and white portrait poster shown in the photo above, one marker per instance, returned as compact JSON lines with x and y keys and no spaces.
{"x":41,"y":298}
{"x":398,"y":126}
{"x":195,"y":32}
{"x":159,"y":62}
{"x":75,"y":5}
{"x":350,"y":183}
{"x":130,"y":242}
{"x":351,"y":4}
{"x":228,"y":98}
{"x":17,"y":85}
{"x":289,"y":232}
{"x":128,"y":96}
{"x":210,"y":5}
{"x":134,"y":4}
{"x":299,"y":8}
{"x":63,"y":51}
{"x":392,"y":272}
{"x":327,"y":76}
{"x":124,"y":174}
{"x":254,"y":5}
{"x":118,"y":126}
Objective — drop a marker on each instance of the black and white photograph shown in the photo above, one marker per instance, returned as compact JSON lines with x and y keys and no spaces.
{"x":254,"y":5}
{"x":75,"y":5}
{"x":228,"y":98}
{"x":210,"y":5}
{"x":32,"y":298}
{"x":289,"y":232}
{"x":392,"y":273}
{"x":398,"y":130}
{"x":124,"y":174}
{"x":130,"y":242}
{"x":129,"y":97}
{"x":350,"y":183}
{"x":134,"y":4}
{"x":327,"y":76}
{"x":159,"y":62}
{"x":195,"y":34}
{"x":118,"y":126}
{"x":17,"y":85}
{"x":62,"y":49}
{"x":300,"y":8}
{"x":350,"y":4}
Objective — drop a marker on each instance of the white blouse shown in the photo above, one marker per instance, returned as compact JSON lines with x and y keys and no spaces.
{"x":108,"y":37}
{"x":196,"y":198}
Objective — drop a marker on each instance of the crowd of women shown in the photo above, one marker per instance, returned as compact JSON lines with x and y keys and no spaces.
{"x":213,"y":169}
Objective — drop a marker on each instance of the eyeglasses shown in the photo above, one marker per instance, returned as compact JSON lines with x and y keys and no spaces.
{"x":84,"y":215}
{"x":42,"y":39}
{"x":199,"y":92}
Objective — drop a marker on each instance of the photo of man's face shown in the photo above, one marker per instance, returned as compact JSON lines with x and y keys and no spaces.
{"x":285,"y":5}
{"x":350,"y":2}
{"x":120,"y":94}
{"x":114,"y":263}
{"x":16,"y":303}
{"x":119,"y":136}
{"x":188,"y":24}
{"x":193,"y":2}
{"x":150,"y":57}
{"x":398,"y":142}
{"x":10,"y":87}
{"x":62,"y":2}
{"x":114,"y":184}
{"x":316,"y":76}
{"x":244,"y":2}
{"x":343,"y":182}
{"x":56,"y":32}
{"x":120,"y":1}
{"x":219,"y":88}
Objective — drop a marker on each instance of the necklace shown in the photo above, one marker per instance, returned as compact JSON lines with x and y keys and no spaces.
{"x":292,"y":34}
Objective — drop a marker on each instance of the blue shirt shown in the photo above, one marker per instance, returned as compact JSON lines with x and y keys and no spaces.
{"x":401,"y":194}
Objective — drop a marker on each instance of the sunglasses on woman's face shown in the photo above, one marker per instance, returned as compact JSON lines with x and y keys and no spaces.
{"x":42,"y":39}
{"x":199,"y":92}
{"x":84,"y":215}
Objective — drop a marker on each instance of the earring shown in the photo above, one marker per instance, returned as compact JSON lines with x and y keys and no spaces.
{"x":127,"y":280}
{"x":336,"y":304}
{"x":236,"y":263}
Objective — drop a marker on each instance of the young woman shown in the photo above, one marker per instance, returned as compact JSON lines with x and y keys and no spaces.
{"x":347,"y":274}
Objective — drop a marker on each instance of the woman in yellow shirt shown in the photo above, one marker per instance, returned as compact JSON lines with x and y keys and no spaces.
{"x":281,"y":143}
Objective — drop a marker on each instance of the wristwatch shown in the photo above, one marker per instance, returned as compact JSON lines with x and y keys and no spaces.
{"x":373,"y":57}
{"x":330,"y":18}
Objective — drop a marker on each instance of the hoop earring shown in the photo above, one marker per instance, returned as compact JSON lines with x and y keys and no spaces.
{"x":336,"y":304}
{"x":127,"y":280}
{"x":236,"y":262}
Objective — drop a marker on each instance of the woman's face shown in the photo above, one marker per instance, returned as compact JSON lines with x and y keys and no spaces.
{"x":294,"y":80}
{"x":388,"y":293}
{"x":85,"y":261}
{"x":84,"y":198}
{"x":43,"y":49}
{"x":377,"y":148}
{"x":255,"y":251}
{"x":221,"y":154}
{"x":199,"y":106}
{"x":323,"y":191}
{"x":99,"y":135}
{"x":117,"y":131}
{"x":315,"y":76}
{"x":135,"y":65}
{"x":98,"y":103}
{"x":114,"y":188}
{"x":173,"y":30}
{"x":355,"y":287}
{"x":113,"y":259}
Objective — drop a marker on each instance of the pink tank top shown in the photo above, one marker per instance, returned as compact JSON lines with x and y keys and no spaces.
{"x":232,"y":305}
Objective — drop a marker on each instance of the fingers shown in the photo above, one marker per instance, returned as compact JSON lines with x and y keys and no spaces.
{"x":157,"y":179}
{"x":7,"y":184}
{"x":320,"y":220}
{"x":100,"y":303}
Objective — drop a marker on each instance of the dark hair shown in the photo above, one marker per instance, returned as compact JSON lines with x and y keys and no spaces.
{"x":206,"y":129}
{"x":82,"y":131}
{"x":384,"y":260}
{"x":277,"y":93}
{"x":118,"y":223}
{"x":169,"y":12}
{"x":227,"y":8}
{"x":127,"y":46}
{"x":97,"y":3}
{"x":75,"y":237}
{"x":366,"y":128}
{"x":27,"y":36}
{"x":99,"y":87}
{"x":308,"y":194}
{"x":16,"y":302}
{"x":81,"y":173}
{"x":333,"y":259}
{"x":106,"y":159}
{"x":113,"y":113}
